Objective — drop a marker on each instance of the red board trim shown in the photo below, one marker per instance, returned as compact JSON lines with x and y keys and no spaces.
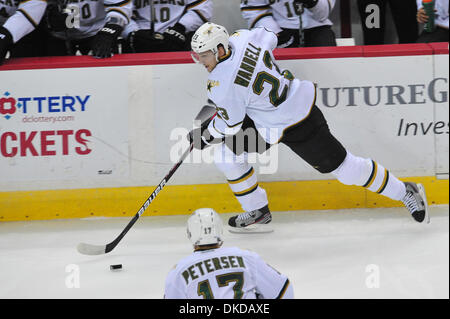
{"x":184,"y":57}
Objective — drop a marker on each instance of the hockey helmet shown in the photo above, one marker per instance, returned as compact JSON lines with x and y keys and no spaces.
{"x":204,"y":227}
{"x":208,"y":37}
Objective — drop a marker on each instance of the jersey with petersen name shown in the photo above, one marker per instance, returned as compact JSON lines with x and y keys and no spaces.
{"x":224,"y":273}
{"x":248,"y":82}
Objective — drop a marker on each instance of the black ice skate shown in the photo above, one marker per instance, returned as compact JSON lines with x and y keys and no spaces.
{"x":415,"y":201}
{"x":259,"y":216}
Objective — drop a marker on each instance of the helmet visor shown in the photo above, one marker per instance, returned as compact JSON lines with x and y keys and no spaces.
{"x":203,"y":57}
{"x":195,"y":57}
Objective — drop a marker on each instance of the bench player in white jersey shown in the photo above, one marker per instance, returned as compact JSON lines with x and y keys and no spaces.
{"x":18,"y":18}
{"x":169,"y":28}
{"x":249,"y":90}
{"x":297,"y":22}
{"x":216,"y":272}
{"x":440,"y":33}
{"x":96,"y":25}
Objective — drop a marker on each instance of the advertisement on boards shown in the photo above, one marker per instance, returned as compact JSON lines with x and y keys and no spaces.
{"x":66,"y":124}
{"x":392,"y":109}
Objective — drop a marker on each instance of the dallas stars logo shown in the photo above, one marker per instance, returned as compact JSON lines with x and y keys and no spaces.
{"x":211,"y":84}
{"x":208,"y":31}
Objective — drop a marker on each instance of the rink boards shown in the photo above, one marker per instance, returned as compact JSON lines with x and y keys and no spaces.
{"x":82,"y":137}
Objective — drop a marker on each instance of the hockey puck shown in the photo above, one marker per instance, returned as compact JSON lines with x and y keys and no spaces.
{"x":115,"y":267}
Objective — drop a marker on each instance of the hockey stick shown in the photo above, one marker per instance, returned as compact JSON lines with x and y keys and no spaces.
{"x":152,"y":17}
{"x":204,"y":117}
{"x":301,"y":32}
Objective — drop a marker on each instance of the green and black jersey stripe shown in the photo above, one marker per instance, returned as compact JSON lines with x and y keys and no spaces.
{"x":194,"y":4}
{"x":372,"y":175}
{"x":28,"y":17}
{"x":261,"y":16}
{"x":117,"y":4}
{"x":254,"y":8}
{"x":283,"y":290}
{"x":246,"y":191}
{"x":244,"y":177}
{"x":202,"y":17}
{"x":120,"y":12}
{"x":385,"y":182}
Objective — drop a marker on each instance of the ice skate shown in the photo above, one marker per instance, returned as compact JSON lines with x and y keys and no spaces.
{"x":252,"y":222}
{"x":415,"y":201}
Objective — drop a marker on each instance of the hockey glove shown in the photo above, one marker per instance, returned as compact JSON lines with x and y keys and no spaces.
{"x":201,"y":138}
{"x":308,"y":4}
{"x":175,"y":38}
{"x":146,"y":41}
{"x":6,"y":41}
{"x":56,"y":20}
{"x":105,"y":39}
{"x":286,"y":39}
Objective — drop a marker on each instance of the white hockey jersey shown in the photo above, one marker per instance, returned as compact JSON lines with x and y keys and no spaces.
{"x":190,"y":13}
{"x":93,"y":15}
{"x":20,"y":17}
{"x":225,"y":273}
{"x":441,"y":6}
{"x":277,"y":14}
{"x":248,"y":81}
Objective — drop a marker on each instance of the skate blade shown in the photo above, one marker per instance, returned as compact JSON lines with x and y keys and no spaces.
{"x":252,"y":229}
{"x":424,"y":196}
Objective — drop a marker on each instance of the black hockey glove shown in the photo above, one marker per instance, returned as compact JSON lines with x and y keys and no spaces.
{"x":286,"y":39}
{"x":6,"y":41}
{"x":175,"y":38}
{"x":308,"y":4}
{"x":201,"y":138}
{"x":56,"y":20}
{"x":105,"y":39}
{"x":146,"y":41}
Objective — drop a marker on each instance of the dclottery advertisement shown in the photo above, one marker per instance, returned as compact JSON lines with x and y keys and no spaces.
{"x":63,"y":125}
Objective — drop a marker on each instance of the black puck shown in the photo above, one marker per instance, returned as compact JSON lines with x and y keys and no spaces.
{"x":115,"y":267}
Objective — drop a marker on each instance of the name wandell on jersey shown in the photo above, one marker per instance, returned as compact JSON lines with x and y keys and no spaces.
{"x":252,"y":84}
{"x":247,"y":67}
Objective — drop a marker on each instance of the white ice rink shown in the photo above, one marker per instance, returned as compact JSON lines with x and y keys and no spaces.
{"x":360,"y":253}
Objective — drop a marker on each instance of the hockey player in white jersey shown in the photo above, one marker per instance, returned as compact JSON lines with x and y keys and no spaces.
{"x":297,"y":22}
{"x":216,"y":272}
{"x":250,"y":91}
{"x":18,"y":19}
{"x":85,"y":26}
{"x":165,"y":25}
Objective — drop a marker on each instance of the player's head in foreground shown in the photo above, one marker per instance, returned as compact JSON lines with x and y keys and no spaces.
{"x":205,"y":229}
{"x":209,"y":44}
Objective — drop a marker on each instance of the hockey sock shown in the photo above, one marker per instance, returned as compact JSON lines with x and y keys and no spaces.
{"x":242,"y":180}
{"x":371,"y":175}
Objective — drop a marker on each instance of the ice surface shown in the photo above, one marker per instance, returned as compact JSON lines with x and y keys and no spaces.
{"x":358,"y":253}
